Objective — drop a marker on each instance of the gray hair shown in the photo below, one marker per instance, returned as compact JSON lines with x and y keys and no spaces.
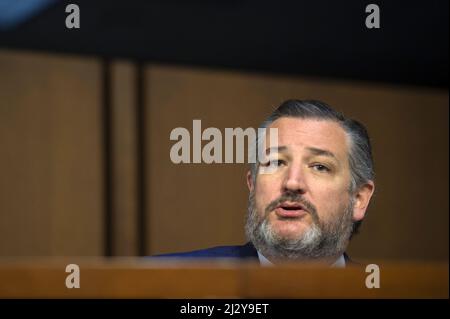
{"x":360,"y":153}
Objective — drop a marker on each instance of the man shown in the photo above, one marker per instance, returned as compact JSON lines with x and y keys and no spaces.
{"x":309,"y":195}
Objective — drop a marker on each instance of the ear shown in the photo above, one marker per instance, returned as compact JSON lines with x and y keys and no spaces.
{"x":250,"y":181}
{"x":362,"y":199}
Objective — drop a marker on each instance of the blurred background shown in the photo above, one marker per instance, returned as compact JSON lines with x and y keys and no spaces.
{"x":85,"y":118}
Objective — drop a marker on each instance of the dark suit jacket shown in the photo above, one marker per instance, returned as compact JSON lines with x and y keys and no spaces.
{"x":247,"y":251}
{"x":241,"y":252}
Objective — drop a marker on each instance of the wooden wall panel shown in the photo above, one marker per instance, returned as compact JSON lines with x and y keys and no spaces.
{"x":51,"y":200}
{"x":51,"y":163}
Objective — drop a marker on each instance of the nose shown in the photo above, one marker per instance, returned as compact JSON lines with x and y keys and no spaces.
{"x":294,"y":180}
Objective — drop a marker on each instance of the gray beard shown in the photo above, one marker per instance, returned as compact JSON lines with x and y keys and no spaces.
{"x":321,"y":241}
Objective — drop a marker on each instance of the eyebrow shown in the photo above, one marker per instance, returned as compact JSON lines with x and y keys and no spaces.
{"x":277,"y":149}
{"x":318,"y":151}
{"x":314,"y":150}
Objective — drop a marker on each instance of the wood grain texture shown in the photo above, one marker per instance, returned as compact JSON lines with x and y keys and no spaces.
{"x":51,"y":200}
{"x":213,"y":279}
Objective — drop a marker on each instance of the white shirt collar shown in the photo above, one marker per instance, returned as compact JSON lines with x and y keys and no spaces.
{"x":339,"y":263}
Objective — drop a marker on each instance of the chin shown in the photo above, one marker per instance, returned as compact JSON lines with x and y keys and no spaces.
{"x":289,"y":229}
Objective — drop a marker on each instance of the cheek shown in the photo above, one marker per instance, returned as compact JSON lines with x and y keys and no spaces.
{"x":330,"y":201}
{"x":266,"y":191}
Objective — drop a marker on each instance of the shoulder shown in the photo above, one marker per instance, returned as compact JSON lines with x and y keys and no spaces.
{"x":243,"y":251}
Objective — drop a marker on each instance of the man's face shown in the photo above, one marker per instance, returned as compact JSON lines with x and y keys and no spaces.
{"x":301,"y":191}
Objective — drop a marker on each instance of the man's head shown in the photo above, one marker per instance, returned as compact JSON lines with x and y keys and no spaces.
{"x":318,"y":187}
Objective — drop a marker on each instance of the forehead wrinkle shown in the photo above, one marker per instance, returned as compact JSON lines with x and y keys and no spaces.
{"x":317,"y":133}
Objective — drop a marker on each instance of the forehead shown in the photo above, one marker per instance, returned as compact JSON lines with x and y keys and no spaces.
{"x":321,"y":134}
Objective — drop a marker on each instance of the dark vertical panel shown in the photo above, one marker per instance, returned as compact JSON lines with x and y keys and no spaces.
{"x":107,"y":156}
{"x":141,"y":160}
{"x":124,"y":198}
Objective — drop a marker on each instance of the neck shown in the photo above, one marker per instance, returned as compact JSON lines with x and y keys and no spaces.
{"x":327,"y":261}
{"x":269,"y":257}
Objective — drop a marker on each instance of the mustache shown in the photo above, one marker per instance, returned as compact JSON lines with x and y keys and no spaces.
{"x":292,"y":196}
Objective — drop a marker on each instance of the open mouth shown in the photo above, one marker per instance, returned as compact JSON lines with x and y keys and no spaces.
{"x":290,"y":210}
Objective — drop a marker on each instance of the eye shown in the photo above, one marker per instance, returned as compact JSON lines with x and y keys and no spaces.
{"x":275,"y":163}
{"x":320,"y":168}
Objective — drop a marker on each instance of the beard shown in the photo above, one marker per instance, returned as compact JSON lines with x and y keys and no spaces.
{"x":321,"y":240}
